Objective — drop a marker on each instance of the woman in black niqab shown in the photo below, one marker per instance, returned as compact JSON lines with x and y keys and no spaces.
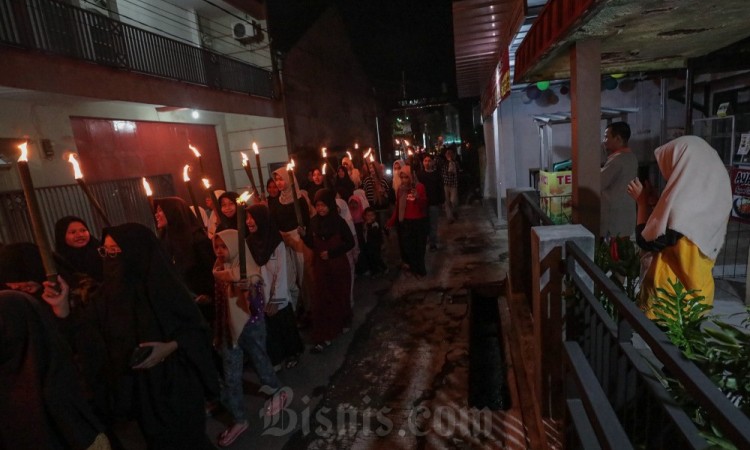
{"x":142,"y":302}
{"x":41,"y":402}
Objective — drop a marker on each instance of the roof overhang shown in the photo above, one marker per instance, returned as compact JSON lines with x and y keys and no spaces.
{"x":481,"y":30}
{"x":635,"y":35}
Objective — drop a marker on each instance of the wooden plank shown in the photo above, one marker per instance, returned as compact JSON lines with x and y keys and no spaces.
{"x":518,"y":333}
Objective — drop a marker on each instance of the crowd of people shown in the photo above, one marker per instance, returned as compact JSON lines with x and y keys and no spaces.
{"x":157,"y":328}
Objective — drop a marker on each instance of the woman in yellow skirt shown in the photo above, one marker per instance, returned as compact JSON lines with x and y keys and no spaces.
{"x":686,"y":229}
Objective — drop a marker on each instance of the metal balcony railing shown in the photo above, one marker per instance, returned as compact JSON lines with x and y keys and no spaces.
{"x":57,"y":28}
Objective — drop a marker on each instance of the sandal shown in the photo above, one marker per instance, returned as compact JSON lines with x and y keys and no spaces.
{"x":291,"y":362}
{"x":228,"y":436}
{"x":276,"y":403}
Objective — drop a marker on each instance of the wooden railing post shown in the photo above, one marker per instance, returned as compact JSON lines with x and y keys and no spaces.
{"x":547,"y":268}
{"x":519,"y":229}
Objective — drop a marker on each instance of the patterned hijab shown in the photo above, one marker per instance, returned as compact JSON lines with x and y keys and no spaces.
{"x":286,"y":197}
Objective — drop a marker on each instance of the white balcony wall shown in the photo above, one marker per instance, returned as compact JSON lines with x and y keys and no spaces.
{"x":160,"y":17}
{"x":219,"y":30}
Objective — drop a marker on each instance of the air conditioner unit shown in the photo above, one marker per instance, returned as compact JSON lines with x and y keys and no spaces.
{"x":246,"y":32}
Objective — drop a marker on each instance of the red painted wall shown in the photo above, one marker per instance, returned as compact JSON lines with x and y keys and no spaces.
{"x":114,"y":149}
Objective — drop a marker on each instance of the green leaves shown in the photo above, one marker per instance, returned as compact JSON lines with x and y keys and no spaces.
{"x":620,"y":257}
{"x":720,"y":349}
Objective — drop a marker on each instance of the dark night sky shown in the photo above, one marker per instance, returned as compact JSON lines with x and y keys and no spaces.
{"x":388,"y":36}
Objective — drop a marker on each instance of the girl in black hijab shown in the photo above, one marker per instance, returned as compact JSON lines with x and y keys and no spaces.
{"x":227,"y":211}
{"x":283,"y":343}
{"x":75,"y":244}
{"x":330,"y":238}
{"x":316,"y":184}
{"x":158,"y":346}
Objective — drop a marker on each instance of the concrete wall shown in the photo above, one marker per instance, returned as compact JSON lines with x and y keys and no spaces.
{"x":329,"y":98}
{"x":221,"y":40}
{"x":50,"y":120}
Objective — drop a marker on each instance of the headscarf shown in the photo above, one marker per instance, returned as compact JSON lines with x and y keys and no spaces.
{"x":231,"y":222}
{"x":143,"y":299}
{"x":326,"y":226}
{"x":356,"y":209}
{"x":286,"y":196}
{"x":178,"y":235}
{"x":268,"y":183}
{"x":396,"y":171}
{"x":313,"y":188}
{"x":42,"y":402}
{"x":352,"y":171}
{"x":85,"y":259}
{"x":403,"y":191}
{"x":231,"y":240}
{"x":264,"y":241}
{"x":344,"y":185}
{"x":697,"y":199}
{"x":343,"y":208}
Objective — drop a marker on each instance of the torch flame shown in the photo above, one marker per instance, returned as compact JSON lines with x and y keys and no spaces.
{"x":206,"y":183}
{"x":406,"y":142}
{"x":76,"y":167}
{"x":397,"y":141}
{"x":244,"y":197}
{"x":369,"y":150}
{"x":185,"y":176}
{"x":348,"y":154}
{"x":244,"y":157}
{"x":409,"y":152}
{"x":323,"y":151}
{"x":372,"y":159}
{"x":356,"y":146}
{"x":291,"y":163}
{"x":324,"y":168}
{"x":255,"y":148}
{"x":24,"y":152}
{"x":195,"y":151}
{"x":147,"y":188}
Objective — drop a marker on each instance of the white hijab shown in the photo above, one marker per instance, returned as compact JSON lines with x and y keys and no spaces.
{"x":396,"y":179}
{"x":239,"y":313}
{"x":697,"y":199}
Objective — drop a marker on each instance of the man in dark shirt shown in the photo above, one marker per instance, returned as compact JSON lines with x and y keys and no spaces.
{"x":433,"y":183}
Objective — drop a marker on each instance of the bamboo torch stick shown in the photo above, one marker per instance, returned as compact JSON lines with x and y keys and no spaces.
{"x":186,"y":179}
{"x":249,"y":172}
{"x":260,"y":173}
{"x":297,"y":211}
{"x":37,"y":225}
